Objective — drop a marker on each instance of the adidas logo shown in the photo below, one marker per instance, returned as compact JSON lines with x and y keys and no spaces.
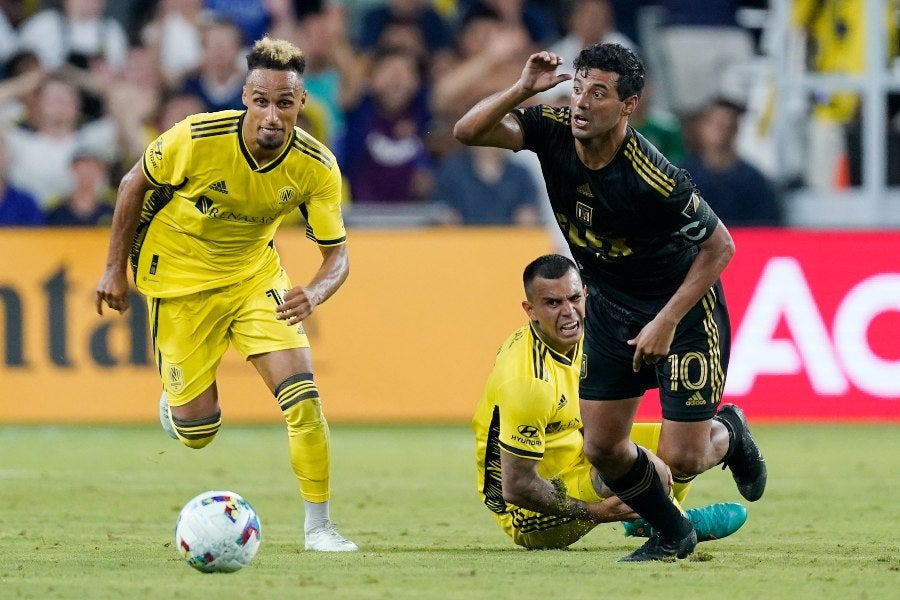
{"x":219,"y":186}
{"x":695,"y":400}
{"x":585,"y":190}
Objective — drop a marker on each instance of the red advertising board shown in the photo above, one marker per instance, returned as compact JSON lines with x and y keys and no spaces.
{"x":815,"y":325}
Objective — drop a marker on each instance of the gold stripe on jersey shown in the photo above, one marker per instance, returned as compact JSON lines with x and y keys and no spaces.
{"x":211,"y":127}
{"x":537,"y":522}
{"x":561,"y":114}
{"x":647,"y":170}
{"x":717,"y":373}
{"x":309,"y":146}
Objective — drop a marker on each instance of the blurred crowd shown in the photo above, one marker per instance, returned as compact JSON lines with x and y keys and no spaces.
{"x":86,"y":85}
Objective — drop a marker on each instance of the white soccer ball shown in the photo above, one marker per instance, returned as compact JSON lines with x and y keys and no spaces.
{"x":218,"y":532}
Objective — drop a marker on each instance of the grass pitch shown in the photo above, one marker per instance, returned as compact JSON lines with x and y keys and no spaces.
{"x":89,"y":512}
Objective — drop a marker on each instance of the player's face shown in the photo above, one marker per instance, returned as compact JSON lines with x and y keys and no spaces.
{"x":556,"y":307}
{"x":273,"y":100}
{"x":596,"y":108}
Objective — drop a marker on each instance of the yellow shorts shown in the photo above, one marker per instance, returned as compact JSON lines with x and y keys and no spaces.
{"x":535,"y":530}
{"x":191,"y":333}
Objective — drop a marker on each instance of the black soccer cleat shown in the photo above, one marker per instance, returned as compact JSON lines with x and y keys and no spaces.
{"x":748,"y":467}
{"x":657,"y":548}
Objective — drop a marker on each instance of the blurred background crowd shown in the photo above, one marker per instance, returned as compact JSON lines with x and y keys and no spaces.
{"x":85,"y":85}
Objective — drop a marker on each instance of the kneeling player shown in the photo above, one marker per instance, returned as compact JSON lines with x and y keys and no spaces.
{"x":532,"y":470}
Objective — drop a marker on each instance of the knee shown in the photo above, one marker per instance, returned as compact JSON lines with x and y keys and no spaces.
{"x":606,"y":454}
{"x":687,"y":464}
{"x":197,"y":433}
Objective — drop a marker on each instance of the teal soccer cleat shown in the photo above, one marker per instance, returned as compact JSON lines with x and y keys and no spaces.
{"x":712,"y":522}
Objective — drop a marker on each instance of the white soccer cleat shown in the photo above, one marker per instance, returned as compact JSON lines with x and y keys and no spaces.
{"x":325,"y":538}
{"x":164,"y":417}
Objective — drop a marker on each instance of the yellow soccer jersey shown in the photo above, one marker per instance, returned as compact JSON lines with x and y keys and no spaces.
{"x":529,"y":408}
{"x":211,"y":219}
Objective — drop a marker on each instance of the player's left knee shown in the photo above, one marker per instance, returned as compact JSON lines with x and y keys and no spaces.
{"x":298,"y":398}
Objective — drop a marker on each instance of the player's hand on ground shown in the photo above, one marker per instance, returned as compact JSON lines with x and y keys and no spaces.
{"x":297,"y":306}
{"x":540,"y":74}
{"x":610,"y":510}
{"x":113,"y":289}
{"x":652,"y":344}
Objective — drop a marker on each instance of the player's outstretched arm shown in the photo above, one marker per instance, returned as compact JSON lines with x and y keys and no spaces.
{"x":524,"y":487}
{"x":113,"y":286}
{"x":489,"y":123}
{"x":653,"y":342}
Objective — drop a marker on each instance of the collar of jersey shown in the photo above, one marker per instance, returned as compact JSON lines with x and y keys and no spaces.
{"x":249,"y":157}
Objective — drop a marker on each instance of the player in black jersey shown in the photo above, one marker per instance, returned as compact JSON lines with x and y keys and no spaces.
{"x":650,"y":251}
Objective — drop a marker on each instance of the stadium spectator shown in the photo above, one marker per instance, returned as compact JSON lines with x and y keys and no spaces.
{"x":699,"y":42}
{"x":482,"y":186}
{"x":588,"y":22}
{"x":660,"y":127}
{"x":77,"y":33}
{"x":19,"y":90}
{"x":91,"y":202}
{"x":208,"y":270}
{"x":736,"y":190}
{"x":529,"y":450}
{"x":251,"y":16}
{"x":175,"y":36}
{"x":132,"y":102}
{"x":531,"y":16}
{"x":219,"y":79}
{"x":651,"y":252}
{"x":44,"y":148}
{"x":383,"y":154}
{"x":335,"y":73}
{"x":17,"y":207}
{"x":488,"y":52}
{"x":9,"y":39}
{"x":436,"y":32}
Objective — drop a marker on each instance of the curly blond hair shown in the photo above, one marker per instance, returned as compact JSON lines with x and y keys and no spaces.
{"x":279,"y":55}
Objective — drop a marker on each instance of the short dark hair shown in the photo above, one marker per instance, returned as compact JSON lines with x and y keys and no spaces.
{"x":614,"y":58}
{"x":278,"y":55}
{"x":548,"y":266}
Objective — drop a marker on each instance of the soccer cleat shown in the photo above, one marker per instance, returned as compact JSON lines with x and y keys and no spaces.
{"x":658,"y":549}
{"x":748,"y":467}
{"x":712,"y":522}
{"x":164,"y":417}
{"x":325,"y":538}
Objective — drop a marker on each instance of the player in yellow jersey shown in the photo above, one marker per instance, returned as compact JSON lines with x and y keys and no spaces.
{"x":531,"y":467}
{"x":197,"y":215}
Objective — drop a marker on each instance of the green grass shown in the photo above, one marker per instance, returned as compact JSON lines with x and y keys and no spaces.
{"x":89,"y":512}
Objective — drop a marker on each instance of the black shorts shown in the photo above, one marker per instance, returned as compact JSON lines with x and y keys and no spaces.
{"x":691,"y":378}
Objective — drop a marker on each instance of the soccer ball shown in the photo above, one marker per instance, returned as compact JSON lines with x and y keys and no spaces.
{"x":218,"y":532}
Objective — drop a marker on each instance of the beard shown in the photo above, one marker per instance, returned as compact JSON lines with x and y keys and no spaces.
{"x":270,"y":143}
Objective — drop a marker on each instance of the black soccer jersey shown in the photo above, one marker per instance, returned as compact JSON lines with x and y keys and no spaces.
{"x":633,"y":225}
